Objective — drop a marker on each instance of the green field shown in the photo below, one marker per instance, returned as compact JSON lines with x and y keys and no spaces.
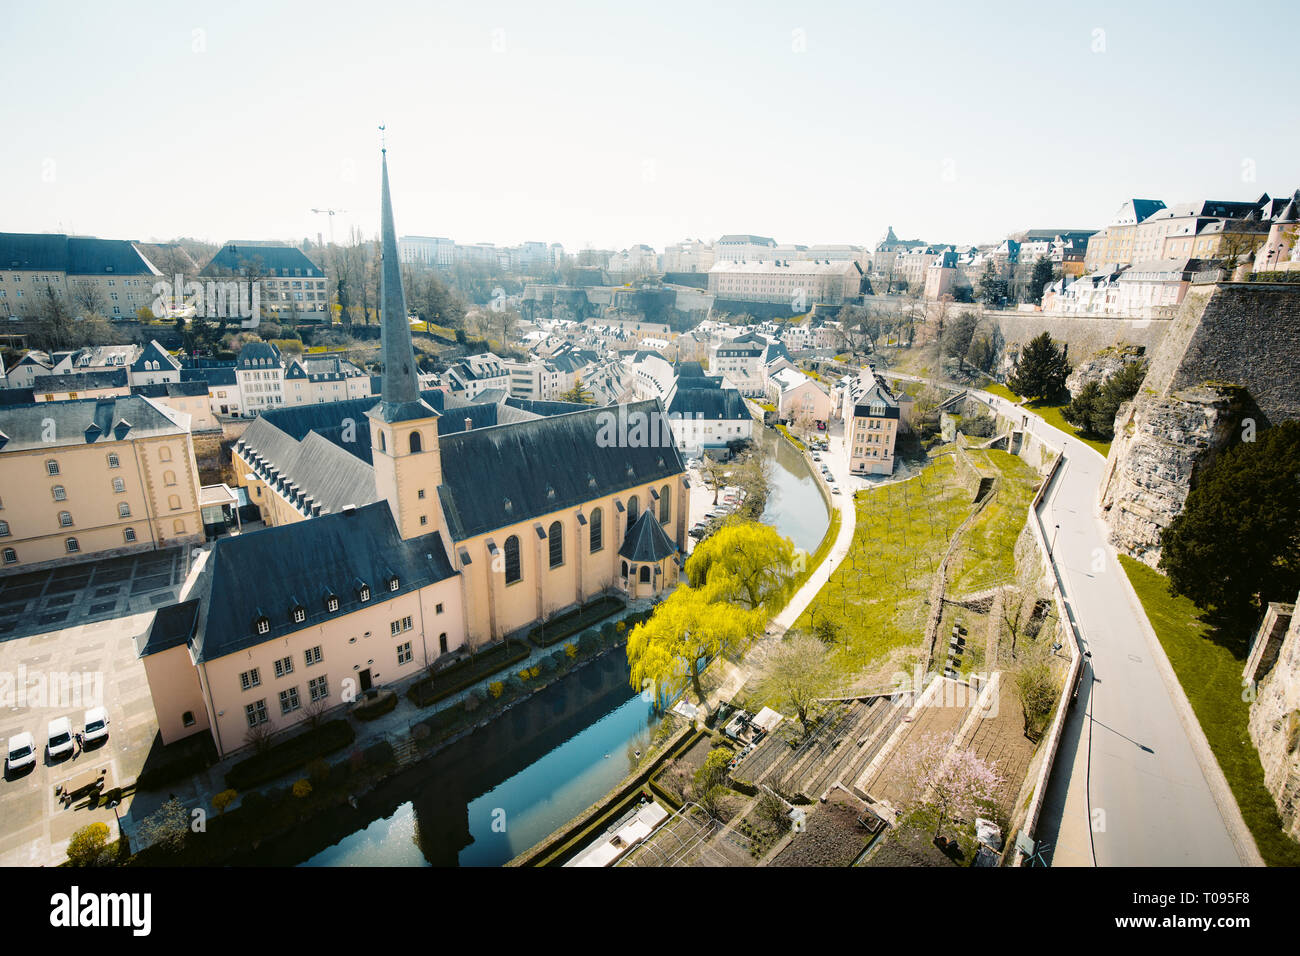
{"x":1050,"y":413}
{"x":988,"y":548}
{"x":876,"y":594}
{"x":1210,"y":675}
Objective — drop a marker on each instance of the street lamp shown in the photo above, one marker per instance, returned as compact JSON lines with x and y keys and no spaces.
{"x":112,"y":805}
{"x":1052,"y":547}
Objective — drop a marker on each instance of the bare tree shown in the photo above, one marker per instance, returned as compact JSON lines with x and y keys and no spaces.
{"x":795,"y":672}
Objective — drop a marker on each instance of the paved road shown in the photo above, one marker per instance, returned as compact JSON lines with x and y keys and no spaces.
{"x":1128,"y":778}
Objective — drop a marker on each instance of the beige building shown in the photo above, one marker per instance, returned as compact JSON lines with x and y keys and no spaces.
{"x":406,"y":535}
{"x":872,"y":419}
{"x":108,"y":277}
{"x":312,"y":380}
{"x":94,"y":478}
{"x":801,"y":283}
{"x":796,"y":396}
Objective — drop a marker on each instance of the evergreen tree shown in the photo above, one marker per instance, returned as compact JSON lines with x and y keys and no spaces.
{"x":1041,"y":279}
{"x":1041,"y":370}
{"x":1236,"y":544}
{"x":1093,"y":410}
{"x":993,"y":288}
{"x":956,"y":337}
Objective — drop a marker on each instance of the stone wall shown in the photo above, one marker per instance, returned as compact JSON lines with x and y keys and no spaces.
{"x":1161,"y":446}
{"x":1084,"y":336}
{"x":1275,"y":729}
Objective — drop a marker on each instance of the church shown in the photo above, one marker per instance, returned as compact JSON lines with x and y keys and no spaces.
{"x":403,"y":530}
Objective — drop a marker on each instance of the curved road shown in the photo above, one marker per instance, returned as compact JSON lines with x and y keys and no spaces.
{"x":1134,"y":782}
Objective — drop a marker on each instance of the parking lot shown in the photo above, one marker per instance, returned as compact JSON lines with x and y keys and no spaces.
{"x":50,"y":669}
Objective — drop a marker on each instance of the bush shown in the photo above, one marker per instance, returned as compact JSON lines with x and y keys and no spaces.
{"x":379,"y":754}
{"x":302,"y":788}
{"x":458,"y":676}
{"x":570,"y":651}
{"x":569,"y":623}
{"x":318,"y":771}
{"x":290,"y":755}
{"x":496,"y":688}
{"x":222,"y":801}
{"x":514,"y":685}
{"x":253,"y":802}
{"x":589,"y":642}
{"x":473,"y":701}
{"x":381,"y":704}
{"x":545,"y":665}
{"x":87,"y":843}
{"x":608,"y":632}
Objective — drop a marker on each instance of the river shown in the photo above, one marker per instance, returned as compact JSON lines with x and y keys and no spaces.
{"x":489,"y":797}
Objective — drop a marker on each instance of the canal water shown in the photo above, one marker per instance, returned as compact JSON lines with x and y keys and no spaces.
{"x":489,"y":797}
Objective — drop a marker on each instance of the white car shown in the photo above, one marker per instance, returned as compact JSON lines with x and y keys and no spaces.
{"x":96,"y":724}
{"x":59,"y":740}
{"x":22,"y":751}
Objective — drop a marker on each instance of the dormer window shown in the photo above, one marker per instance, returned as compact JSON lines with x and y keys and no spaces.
{"x":363,"y":592}
{"x":393,"y":583}
{"x":299,"y":614}
{"x":262,"y":624}
{"x":331,"y":603}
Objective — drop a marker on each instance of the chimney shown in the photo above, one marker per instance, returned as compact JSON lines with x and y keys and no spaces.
{"x":469,"y":423}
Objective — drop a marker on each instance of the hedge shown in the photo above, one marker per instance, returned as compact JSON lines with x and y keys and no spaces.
{"x":370,"y":709}
{"x":465,"y":673}
{"x":290,"y":755}
{"x":571,"y":622}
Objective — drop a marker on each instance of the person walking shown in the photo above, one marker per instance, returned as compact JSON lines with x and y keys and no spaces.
{"x":77,"y":737}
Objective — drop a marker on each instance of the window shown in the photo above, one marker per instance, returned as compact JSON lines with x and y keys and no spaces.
{"x":415,"y":443}
{"x":169,"y":477}
{"x":52,"y":467}
{"x":405,"y":624}
{"x":10,"y":555}
{"x":393,"y":583}
{"x":331,"y":603}
{"x":72,"y":545}
{"x":249,"y":679}
{"x":123,"y":509}
{"x":513,"y":570}
{"x":187,"y":718}
{"x":312,"y":655}
{"x":164,"y":453}
{"x":178,"y":526}
{"x":442,"y":643}
{"x":556,"y":537}
{"x":394,"y":628}
{"x":256,"y":713}
{"x":437,"y":609}
{"x":65,"y":519}
{"x":289,"y":700}
{"x":4,"y":529}
{"x":633,"y":510}
{"x":283,"y":666}
{"x":318,"y":688}
{"x":174,"y":502}
{"x":404,"y":653}
{"x":59,"y":493}
{"x":665,"y":508}
{"x":119,"y":485}
{"x":645,"y":574}
{"x":129,"y":535}
{"x":420,"y":494}
{"x":383,"y":443}
{"x":263,"y":625}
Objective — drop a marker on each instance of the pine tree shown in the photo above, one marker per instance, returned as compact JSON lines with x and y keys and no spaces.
{"x":1041,"y":371}
{"x":1236,"y":544}
{"x":1041,"y":279}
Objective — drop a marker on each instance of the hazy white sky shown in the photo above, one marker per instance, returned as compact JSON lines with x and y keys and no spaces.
{"x":602,"y":124}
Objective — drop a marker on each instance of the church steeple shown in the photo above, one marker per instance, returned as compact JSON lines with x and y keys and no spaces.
{"x":401,"y":393}
{"x":404,"y":448}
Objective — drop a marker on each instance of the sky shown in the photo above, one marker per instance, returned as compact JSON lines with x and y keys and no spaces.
{"x":600,"y":125}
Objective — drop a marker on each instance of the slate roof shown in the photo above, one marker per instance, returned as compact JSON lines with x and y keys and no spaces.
{"x":172,"y":626}
{"x":217,"y":377}
{"x":271,"y":260}
{"x":493,"y":477}
{"x":17,"y":396}
{"x":74,"y":255}
{"x":258,"y":351}
{"x":80,"y":381}
{"x":113,"y":419}
{"x":646,"y":541}
{"x":320,"y":466}
{"x":691,"y":398}
{"x":544,"y":409}
{"x":266,"y":573}
{"x":172,"y":390}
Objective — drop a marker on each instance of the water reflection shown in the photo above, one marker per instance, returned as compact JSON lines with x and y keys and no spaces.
{"x":794,"y":506}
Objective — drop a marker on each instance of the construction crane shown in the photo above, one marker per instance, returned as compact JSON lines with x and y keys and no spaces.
{"x":331,"y":213}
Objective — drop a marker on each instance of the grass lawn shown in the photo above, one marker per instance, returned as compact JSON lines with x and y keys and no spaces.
{"x":1050,"y":413}
{"x":1210,"y":675}
{"x":988,"y":548}
{"x":877,"y":592}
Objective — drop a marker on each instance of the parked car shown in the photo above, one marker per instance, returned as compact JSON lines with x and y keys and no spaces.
{"x":96,"y":725}
{"x":816,"y":456}
{"x":58,"y":742}
{"x":22,"y":751}
{"x":835,"y":489}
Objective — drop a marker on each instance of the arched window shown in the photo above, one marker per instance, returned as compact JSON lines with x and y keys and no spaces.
{"x":555,"y":535}
{"x":129,"y":535}
{"x":665,"y":504}
{"x":10,"y":555}
{"x":442,"y":643}
{"x":65,"y":519}
{"x":645,"y":574}
{"x":173,"y":502}
{"x":633,"y":510}
{"x":113,"y":461}
{"x":178,"y":526}
{"x":415,"y":443}
{"x":624,"y":569}
{"x":52,"y":467}
{"x":169,"y":477}
{"x":164,"y":453}
{"x":513,"y":570}
{"x":597,"y":530}
{"x":119,"y":485}
{"x":4,"y":529}
{"x":72,"y":546}
{"x":59,"y":493}
{"x":123,"y":509}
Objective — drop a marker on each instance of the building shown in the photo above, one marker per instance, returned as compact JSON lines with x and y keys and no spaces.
{"x":872,"y":419}
{"x":222,"y":381}
{"x":188,"y":398}
{"x":139,"y":364}
{"x":799,"y":283}
{"x":482,"y":520}
{"x":74,"y":385}
{"x":94,"y":477}
{"x":476,"y":374}
{"x":689,"y":255}
{"x":292,"y":286}
{"x":798,"y":397}
{"x":311,"y":380}
{"x":427,"y":251}
{"x":108,"y":277}
{"x":259,"y":369}
{"x":743,"y":248}
{"x":1113,"y":246}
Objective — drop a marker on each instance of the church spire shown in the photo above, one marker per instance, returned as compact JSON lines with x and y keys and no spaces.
{"x":401,"y":387}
